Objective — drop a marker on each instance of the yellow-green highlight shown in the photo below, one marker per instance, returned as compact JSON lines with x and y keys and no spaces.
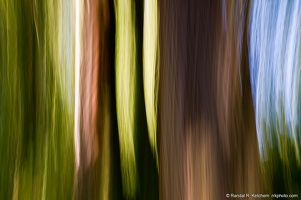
{"x":151,"y":70}
{"x":125,"y":92}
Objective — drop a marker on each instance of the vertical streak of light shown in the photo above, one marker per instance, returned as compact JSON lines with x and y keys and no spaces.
{"x":150,"y":69}
{"x":125,"y":92}
{"x":77,"y":79}
{"x":274,"y":44}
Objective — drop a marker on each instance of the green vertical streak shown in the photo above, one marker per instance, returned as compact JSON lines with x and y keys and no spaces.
{"x":60,"y":164}
{"x":281,"y":167}
{"x":11,"y":113}
{"x":125,"y":91}
{"x":36,"y":120}
{"x":151,"y":70}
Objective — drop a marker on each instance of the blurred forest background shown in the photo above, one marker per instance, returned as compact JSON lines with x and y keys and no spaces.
{"x":148,"y":99}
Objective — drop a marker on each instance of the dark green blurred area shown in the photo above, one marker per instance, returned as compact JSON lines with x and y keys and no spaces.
{"x":281,"y":166}
{"x":36,"y":122}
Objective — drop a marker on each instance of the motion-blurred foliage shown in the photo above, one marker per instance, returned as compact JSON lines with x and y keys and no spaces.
{"x":142,"y":128}
{"x":36,"y":115}
{"x":281,"y":163}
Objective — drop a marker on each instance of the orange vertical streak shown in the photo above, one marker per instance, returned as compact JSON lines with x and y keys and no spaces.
{"x":89,"y":83}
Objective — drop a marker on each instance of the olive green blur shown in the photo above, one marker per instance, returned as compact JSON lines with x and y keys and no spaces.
{"x":36,"y":100}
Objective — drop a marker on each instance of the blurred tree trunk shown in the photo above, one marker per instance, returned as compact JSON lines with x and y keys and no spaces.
{"x":94,"y":168}
{"x":208,"y":144}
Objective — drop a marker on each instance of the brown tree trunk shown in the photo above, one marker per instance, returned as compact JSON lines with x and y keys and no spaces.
{"x":94,"y":169}
{"x":208,"y":144}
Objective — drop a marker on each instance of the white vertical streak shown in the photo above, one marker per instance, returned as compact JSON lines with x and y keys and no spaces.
{"x":77,"y":84}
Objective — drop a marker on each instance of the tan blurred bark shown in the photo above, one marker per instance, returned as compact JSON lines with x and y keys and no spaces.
{"x":208,"y":144}
{"x":89,"y":81}
{"x":94,"y":169}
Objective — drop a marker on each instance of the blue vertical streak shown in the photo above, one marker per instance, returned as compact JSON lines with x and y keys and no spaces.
{"x":274,"y":48}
